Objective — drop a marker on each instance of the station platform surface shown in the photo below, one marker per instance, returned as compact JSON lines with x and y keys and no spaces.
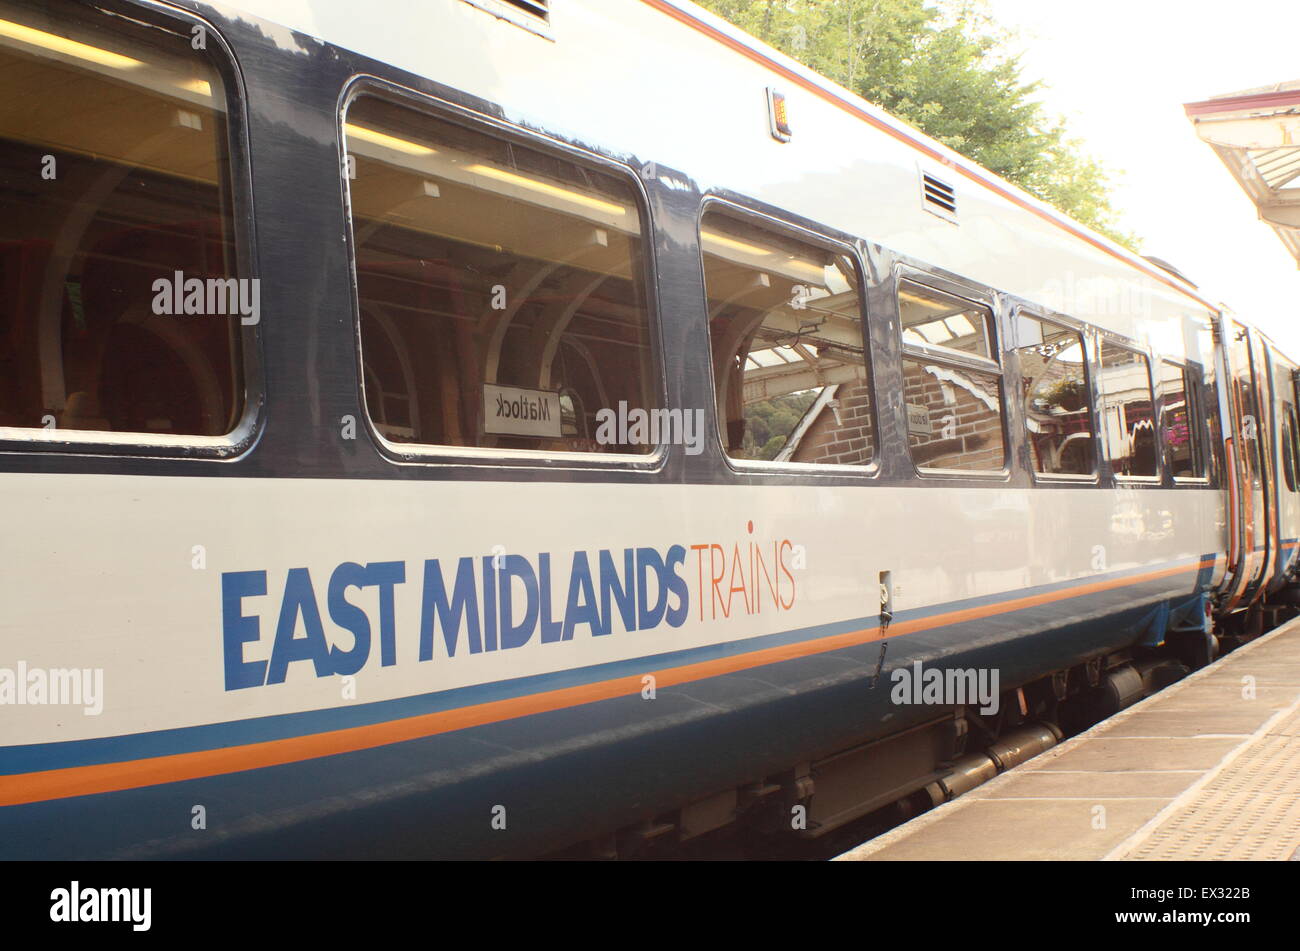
{"x":1208,"y":768}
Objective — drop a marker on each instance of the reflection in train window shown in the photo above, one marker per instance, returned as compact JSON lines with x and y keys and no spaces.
{"x":501,"y":291}
{"x":114,"y":208}
{"x":951,"y":385}
{"x":1290,"y":445}
{"x":1178,"y":423}
{"x":1249,"y":421}
{"x":1124,"y":379}
{"x":1213,"y":431}
{"x":1058,"y":407}
{"x":1249,"y":427}
{"x":930,"y":319}
{"x":785,"y":325}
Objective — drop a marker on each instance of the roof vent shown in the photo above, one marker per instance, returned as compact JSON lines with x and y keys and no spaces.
{"x":938,"y":197}
{"x":538,"y":8}
{"x":533,"y":15}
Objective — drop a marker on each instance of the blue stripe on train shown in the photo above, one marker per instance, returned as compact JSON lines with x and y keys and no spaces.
{"x":65,"y":754}
{"x":566,"y":774}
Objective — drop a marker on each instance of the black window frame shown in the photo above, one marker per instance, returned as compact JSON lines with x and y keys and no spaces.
{"x":1081,"y":331}
{"x":834,"y":242}
{"x":1104,"y":338}
{"x":1286,"y":447}
{"x":1283,"y":372}
{"x":1195,"y":424}
{"x":435,"y":455}
{"x":238,"y":165}
{"x":976,"y":295}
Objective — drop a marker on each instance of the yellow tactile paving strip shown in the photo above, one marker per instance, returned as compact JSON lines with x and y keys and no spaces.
{"x":1207,"y":769}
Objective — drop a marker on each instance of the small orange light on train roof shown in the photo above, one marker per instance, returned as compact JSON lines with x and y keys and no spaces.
{"x":778,"y":117}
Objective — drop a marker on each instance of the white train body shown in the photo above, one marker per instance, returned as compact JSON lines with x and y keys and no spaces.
{"x":197,"y":574}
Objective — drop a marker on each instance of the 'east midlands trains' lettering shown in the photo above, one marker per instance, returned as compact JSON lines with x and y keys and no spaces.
{"x":489,"y":603}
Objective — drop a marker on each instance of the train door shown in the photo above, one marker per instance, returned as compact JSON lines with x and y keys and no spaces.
{"x":1286,"y":465}
{"x":1266,"y":441}
{"x":1270,"y":440}
{"x":1247,"y":481}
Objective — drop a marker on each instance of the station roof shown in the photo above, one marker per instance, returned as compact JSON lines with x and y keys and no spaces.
{"x":1256,"y":132}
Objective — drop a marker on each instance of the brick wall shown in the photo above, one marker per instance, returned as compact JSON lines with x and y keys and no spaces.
{"x":964,"y":432}
{"x":851,"y":441}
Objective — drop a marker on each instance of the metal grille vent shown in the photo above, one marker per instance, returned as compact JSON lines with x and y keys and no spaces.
{"x":532,"y":15}
{"x":538,"y":8}
{"x":938,"y":196}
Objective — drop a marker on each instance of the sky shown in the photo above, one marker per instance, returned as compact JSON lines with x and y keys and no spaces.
{"x":1120,"y":71}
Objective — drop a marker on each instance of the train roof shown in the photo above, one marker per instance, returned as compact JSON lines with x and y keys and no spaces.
{"x":668,"y":82}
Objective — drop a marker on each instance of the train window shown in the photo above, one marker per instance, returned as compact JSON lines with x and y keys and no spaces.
{"x":501,"y":291}
{"x":1290,"y":444}
{"x":1124,"y":379}
{"x":1249,"y":422}
{"x":1178,"y":423}
{"x":785,"y":326}
{"x":1206,"y":399}
{"x":933,"y":320}
{"x":952,"y":386}
{"x":121,"y":302}
{"x":1058,"y":407}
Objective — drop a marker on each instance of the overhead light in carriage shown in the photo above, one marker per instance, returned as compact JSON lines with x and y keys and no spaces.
{"x":91,"y":54}
{"x":387,"y":141}
{"x":200,"y":86}
{"x":711,"y":237}
{"x":68,"y":47}
{"x":946,"y":308}
{"x":61,"y":44}
{"x":546,"y":188}
{"x":814,"y":273}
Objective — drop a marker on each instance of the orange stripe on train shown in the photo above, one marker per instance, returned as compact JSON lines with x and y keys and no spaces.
{"x":179,"y":767}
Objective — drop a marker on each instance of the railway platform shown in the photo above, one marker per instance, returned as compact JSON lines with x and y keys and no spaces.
{"x":1208,"y":768}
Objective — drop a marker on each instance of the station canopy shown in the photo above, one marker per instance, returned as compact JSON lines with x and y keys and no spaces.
{"x":1256,"y":133}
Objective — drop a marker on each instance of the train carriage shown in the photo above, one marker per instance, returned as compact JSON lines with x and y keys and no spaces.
{"x":483,"y":427}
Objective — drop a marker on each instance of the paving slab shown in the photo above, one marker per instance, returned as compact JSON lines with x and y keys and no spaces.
{"x":1092,"y":785}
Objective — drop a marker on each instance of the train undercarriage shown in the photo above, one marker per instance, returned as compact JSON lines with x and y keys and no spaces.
{"x":819,"y":808}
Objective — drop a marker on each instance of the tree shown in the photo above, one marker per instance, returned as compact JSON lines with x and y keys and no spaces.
{"x":950,"y":75}
{"x":769,"y":423}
